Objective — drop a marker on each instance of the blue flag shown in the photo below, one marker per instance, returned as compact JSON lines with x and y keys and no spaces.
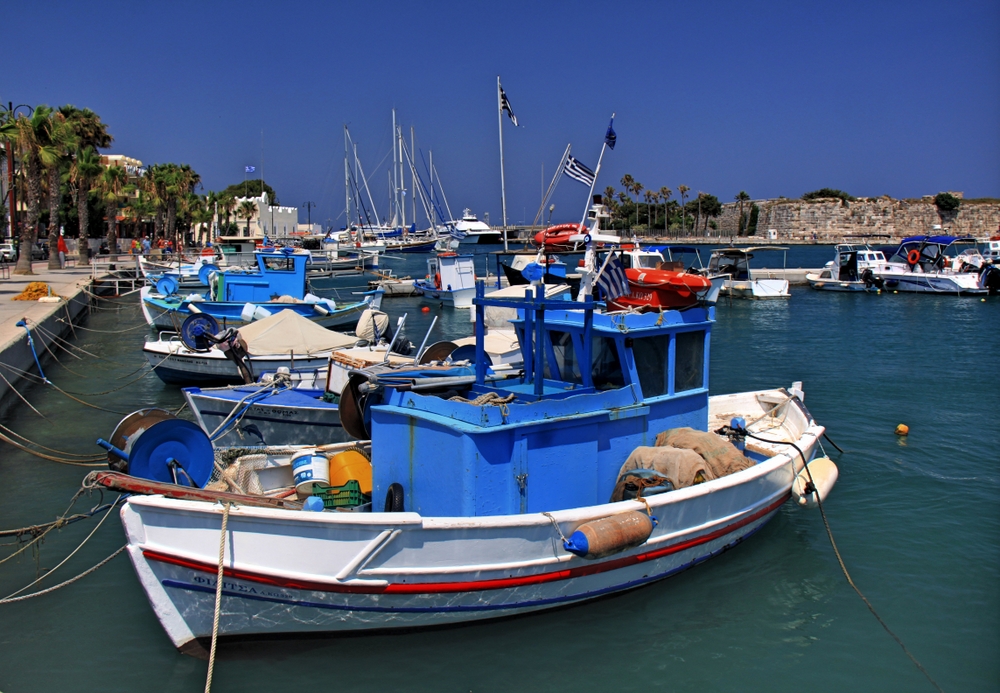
{"x":610,"y":137}
{"x":250,"y":169}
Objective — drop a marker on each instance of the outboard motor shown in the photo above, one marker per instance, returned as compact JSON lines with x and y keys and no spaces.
{"x":200,"y":331}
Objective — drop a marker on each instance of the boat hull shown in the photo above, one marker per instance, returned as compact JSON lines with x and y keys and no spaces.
{"x":213,"y":368}
{"x":289,"y":572}
{"x":821,"y":283}
{"x":287,"y":417}
{"x":756,"y":288}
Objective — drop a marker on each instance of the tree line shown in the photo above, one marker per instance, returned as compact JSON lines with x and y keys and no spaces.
{"x":655,"y":212}
{"x":63,"y":183}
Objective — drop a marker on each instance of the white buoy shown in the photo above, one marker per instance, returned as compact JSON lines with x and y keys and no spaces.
{"x":824,"y":475}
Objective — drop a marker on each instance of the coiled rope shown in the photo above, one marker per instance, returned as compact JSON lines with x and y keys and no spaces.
{"x":840,"y":559}
{"x":218,"y":598}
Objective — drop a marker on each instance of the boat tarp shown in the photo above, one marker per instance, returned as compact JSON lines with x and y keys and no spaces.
{"x":287,"y":332}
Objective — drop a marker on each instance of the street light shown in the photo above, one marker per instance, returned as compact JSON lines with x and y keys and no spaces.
{"x":309,"y":206}
{"x":552,"y":208}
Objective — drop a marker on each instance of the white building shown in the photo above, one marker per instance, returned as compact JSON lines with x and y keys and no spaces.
{"x":273,"y":221}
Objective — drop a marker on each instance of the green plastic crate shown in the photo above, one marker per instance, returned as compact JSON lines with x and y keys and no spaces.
{"x":347,"y":496}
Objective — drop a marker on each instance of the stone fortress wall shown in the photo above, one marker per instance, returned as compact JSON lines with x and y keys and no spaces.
{"x":828,"y":220}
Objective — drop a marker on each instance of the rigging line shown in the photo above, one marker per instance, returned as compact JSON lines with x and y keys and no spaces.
{"x":70,"y":345}
{"x":39,"y":445}
{"x":127,"y":329}
{"x":48,"y":382}
{"x":72,"y":463}
{"x":48,"y":527}
{"x":14,"y":390}
{"x":72,"y":502}
{"x":63,"y":562}
{"x":67,"y":582}
{"x":56,"y":358}
{"x":843,"y":566}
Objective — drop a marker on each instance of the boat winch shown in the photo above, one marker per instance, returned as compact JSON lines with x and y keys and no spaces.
{"x":154,"y":444}
{"x":610,"y":535}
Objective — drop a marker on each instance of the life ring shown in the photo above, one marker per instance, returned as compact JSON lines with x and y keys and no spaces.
{"x":437,"y":281}
{"x":913,"y":257}
{"x":207,"y":252}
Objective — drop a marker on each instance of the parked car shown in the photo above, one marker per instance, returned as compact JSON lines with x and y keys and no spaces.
{"x":40,"y":250}
{"x":7,"y":252}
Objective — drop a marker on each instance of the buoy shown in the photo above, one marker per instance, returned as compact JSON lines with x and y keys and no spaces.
{"x":348,"y":465}
{"x":425,"y":309}
{"x":313,"y":504}
{"x":824,"y":475}
{"x":608,"y":535}
{"x":902,"y":430}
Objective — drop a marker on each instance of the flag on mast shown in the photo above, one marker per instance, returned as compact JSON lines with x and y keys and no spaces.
{"x":505,"y":105}
{"x":610,"y":137}
{"x":250,"y":169}
{"x":612,"y":279}
{"x":577,"y":171}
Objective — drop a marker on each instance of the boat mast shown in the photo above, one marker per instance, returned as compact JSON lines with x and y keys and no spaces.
{"x":347,"y":183}
{"x":503,"y":189}
{"x":413,"y":178}
{"x":395,"y":185}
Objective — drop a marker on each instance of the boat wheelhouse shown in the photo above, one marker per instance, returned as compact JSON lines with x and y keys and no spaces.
{"x":855,"y":267}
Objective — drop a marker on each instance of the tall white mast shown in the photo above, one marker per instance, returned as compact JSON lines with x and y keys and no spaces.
{"x":347,"y":182}
{"x":395,"y":184}
{"x":413,"y":178}
{"x":503,"y":189}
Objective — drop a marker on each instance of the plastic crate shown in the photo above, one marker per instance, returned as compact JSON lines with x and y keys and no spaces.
{"x":346,"y":496}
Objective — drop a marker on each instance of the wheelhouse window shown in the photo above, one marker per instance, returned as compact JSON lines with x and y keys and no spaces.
{"x":606,"y":371}
{"x":565,"y":357}
{"x":689,"y":360}
{"x":280,"y":263}
{"x":652,"y":356}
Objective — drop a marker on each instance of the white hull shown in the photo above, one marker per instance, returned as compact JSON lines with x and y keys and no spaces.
{"x":301,"y":572}
{"x":756,"y":288}
{"x":964,"y":284}
{"x":821,"y":283}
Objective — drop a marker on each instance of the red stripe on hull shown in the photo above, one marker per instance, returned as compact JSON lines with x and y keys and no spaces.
{"x":473,"y":586}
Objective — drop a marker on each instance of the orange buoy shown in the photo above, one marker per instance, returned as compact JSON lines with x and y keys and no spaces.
{"x":902,"y":430}
{"x":609,"y":535}
{"x":425,"y":309}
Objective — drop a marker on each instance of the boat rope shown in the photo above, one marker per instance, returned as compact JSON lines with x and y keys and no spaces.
{"x":43,"y":379}
{"x":69,"y":345}
{"x":218,"y":598}
{"x":10,"y":597}
{"x":15,"y":391}
{"x":31,"y":342}
{"x":556,"y":525}
{"x":81,"y":461}
{"x":840,"y":559}
{"x":84,"y":574}
{"x":127,"y":329}
{"x":233,"y":418}
{"x":830,"y":441}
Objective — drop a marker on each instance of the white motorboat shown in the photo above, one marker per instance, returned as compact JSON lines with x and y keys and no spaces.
{"x":934,"y":264}
{"x":855,"y":267}
{"x":470,"y":230}
{"x":742,"y":282}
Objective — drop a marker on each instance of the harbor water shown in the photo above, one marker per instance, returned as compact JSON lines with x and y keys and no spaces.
{"x":916,"y":519}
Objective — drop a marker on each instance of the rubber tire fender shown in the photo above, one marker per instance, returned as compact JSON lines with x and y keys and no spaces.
{"x":394,"y":498}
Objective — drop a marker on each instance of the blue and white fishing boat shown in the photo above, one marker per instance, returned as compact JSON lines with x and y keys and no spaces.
{"x":493,"y":497}
{"x":238,"y":298}
{"x":451,"y":279}
{"x":855,"y":267}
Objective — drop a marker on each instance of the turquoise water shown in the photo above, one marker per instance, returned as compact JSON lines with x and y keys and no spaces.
{"x":916,"y":519}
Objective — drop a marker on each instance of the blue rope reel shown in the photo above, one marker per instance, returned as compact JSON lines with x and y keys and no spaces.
{"x":205,"y":273}
{"x":154,"y":444}
{"x":196,"y":329}
{"x":165,"y":286}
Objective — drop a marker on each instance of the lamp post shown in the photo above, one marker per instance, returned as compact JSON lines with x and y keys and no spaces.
{"x":10,"y":113}
{"x":309,"y":206}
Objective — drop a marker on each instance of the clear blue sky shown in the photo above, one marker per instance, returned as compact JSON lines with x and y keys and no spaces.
{"x":775,"y":98}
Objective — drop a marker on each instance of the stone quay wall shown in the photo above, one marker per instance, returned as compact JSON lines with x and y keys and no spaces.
{"x":829,"y":220}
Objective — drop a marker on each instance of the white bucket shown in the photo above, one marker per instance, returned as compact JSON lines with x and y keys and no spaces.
{"x":309,"y":468}
{"x":261,"y":313}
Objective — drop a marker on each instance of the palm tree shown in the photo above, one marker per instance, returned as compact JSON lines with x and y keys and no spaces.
{"x":201,"y":210}
{"x":683,"y":190}
{"x":61,"y":140}
{"x":227,"y":203}
{"x":91,"y":134}
{"x":30,"y":137}
{"x":741,"y":197}
{"x":636,"y":189}
{"x":246,"y":210}
{"x":83,"y":171}
{"x":650,"y":198}
{"x":111,"y":186}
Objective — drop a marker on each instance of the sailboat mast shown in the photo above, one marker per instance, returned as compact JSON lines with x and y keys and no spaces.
{"x":347,"y":183}
{"x":413,"y":178}
{"x":503,"y":189}
{"x":395,"y":183}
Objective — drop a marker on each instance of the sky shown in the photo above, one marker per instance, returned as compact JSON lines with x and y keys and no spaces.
{"x":774,"y":98}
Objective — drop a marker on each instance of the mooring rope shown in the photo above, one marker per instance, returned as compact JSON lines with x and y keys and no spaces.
{"x":10,"y":597}
{"x":218,"y":598}
{"x":84,"y":574}
{"x":840,"y":559}
{"x":15,"y":391}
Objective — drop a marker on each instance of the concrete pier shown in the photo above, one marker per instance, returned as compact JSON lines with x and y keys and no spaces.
{"x":72,"y":286}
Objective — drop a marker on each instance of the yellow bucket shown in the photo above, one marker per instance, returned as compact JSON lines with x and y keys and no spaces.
{"x":348,"y":465}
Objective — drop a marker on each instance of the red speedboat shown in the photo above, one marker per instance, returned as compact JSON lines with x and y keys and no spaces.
{"x":656,"y":285}
{"x":558,"y":237}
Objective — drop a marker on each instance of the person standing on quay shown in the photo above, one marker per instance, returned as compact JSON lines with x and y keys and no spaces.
{"x":145,"y":245}
{"x":62,"y":252}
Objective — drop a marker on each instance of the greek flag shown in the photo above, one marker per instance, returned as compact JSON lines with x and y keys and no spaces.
{"x":250,"y":169}
{"x":505,"y":105}
{"x":612,"y":279}
{"x":577,"y":171}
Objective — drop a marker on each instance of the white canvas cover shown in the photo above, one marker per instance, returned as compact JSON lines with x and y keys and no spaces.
{"x":288,"y":332}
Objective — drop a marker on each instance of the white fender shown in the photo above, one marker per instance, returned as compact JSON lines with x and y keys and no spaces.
{"x":824,"y":476}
